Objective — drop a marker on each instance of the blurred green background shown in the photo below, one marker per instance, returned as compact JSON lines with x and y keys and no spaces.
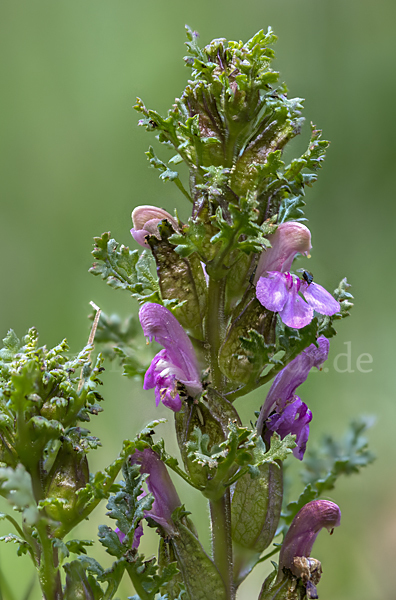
{"x":73,"y":165}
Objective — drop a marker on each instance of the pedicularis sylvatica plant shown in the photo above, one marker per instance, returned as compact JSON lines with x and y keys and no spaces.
{"x":223,"y":297}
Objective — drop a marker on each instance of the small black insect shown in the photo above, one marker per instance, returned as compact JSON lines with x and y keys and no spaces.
{"x":307,"y":275}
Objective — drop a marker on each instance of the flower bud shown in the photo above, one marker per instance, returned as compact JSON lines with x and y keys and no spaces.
{"x":289,"y":239}
{"x":145,"y":221}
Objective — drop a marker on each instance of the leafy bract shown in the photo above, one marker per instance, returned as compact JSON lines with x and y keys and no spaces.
{"x":324,"y":465}
{"x":122,"y":268}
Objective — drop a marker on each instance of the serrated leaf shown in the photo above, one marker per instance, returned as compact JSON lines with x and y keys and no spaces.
{"x":122,"y":268}
{"x":16,"y":487}
{"x":332,"y":459}
{"x":23,"y":547}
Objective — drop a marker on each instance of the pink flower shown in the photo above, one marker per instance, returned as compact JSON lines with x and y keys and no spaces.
{"x":289,"y":239}
{"x":145,"y":220}
{"x":279,"y":292}
{"x":283,"y":411}
{"x":304,"y":530}
{"x":177,"y":362}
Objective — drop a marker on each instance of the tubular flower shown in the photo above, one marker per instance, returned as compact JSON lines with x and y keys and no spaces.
{"x":278,"y":291}
{"x":289,"y":239}
{"x":300,"y":538}
{"x":283,"y":411}
{"x":145,"y":221}
{"x":160,"y":485}
{"x":176,"y":363}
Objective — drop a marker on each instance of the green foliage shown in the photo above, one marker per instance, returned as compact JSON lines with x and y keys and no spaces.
{"x":289,"y":184}
{"x":167,"y":174}
{"x":242,"y":452}
{"x":126,"y":509}
{"x":122,"y":268}
{"x":23,"y":546}
{"x":324,"y":465}
{"x":44,"y":396}
{"x":256,"y":507}
{"x":241,"y":231}
{"x":196,"y":236}
{"x":265,"y":360}
{"x":120,"y":340}
{"x":230,"y":125}
{"x":16,"y":487}
{"x":200,"y":575}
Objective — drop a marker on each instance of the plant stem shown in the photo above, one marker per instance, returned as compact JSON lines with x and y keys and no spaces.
{"x":139,"y":589}
{"x":48,"y":571}
{"x":220,"y":515}
{"x":215,"y":328}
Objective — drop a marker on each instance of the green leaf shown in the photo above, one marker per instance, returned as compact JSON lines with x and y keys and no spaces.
{"x":167,"y":174}
{"x":256,"y":507}
{"x":324,"y":465}
{"x":200,"y":575}
{"x":127,"y":509}
{"x":78,"y":546}
{"x":122,"y":268}
{"x":81,"y":581}
{"x":241,"y":230}
{"x":123,"y":340}
{"x":16,"y":487}
{"x":243,"y":451}
{"x":23,"y":547}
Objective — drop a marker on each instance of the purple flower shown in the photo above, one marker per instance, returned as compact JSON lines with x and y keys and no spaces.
{"x":279,"y":292}
{"x":145,"y":220}
{"x":160,"y":485}
{"x":304,"y":529}
{"x":176,"y":363}
{"x":289,"y":239}
{"x":283,"y":411}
